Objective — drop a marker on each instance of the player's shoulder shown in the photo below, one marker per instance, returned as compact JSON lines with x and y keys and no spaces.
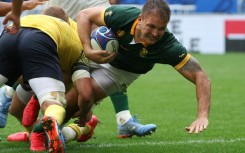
{"x":119,"y":16}
{"x":123,"y":8}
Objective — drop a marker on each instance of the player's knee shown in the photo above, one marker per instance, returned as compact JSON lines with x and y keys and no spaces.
{"x":54,"y":97}
{"x":16,"y":111}
{"x":23,"y":95}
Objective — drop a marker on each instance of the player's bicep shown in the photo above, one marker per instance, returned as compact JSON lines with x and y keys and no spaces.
{"x":191,"y":69}
{"x":94,"y":14}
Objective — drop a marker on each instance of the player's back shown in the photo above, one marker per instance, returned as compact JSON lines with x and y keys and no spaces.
{"x":68,"y":43}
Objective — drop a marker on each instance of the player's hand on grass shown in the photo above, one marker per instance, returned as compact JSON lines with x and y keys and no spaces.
{"x":198,"y":125}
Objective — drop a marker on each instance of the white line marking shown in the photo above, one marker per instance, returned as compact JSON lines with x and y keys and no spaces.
{"x":158,"y":143}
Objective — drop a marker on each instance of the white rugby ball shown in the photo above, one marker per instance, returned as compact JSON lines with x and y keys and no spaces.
{"x":103,"y":38}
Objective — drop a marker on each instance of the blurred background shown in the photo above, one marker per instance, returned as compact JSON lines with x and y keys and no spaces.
{"x":202,"y":26}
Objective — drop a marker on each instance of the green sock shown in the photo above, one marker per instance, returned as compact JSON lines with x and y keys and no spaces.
{"x":38,"y":128}
{"x":15,"y":85}
{"x":120,"y":101}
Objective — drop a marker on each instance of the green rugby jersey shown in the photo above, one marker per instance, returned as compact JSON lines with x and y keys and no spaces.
{"x":135,"y":57}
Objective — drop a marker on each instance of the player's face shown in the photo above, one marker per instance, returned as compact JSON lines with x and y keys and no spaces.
{"x":152,"y":28}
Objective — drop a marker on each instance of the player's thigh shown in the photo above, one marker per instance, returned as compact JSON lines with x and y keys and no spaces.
{"x":39,"y":56}
{"x":111,"y":79}
{"x":48,"y":89}
{"x":10,"y":66}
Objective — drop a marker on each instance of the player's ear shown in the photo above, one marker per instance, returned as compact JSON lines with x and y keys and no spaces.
{"x":140,"y":17}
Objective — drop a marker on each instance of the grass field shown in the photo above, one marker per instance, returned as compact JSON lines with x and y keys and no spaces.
{"x":165,"y":98}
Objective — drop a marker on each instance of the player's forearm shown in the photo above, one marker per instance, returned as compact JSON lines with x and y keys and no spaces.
{"x":17,"y":7}
{"x":84,"y":31}
{"x":203,"y":92}
{"x":28,"y":5}
{"x":5,"y":8}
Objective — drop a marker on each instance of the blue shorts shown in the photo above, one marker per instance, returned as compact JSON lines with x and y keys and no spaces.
{"x":30,"y":53}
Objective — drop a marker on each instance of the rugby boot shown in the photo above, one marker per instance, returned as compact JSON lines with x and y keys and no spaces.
{"x":132,"y":127}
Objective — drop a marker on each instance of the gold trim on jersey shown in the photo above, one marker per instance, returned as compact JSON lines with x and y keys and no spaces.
{"x":103,"y":16}
{"x":183,"y":62}
{"x":132,"y":31}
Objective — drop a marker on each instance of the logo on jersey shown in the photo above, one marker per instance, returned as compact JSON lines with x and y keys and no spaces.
{"x":82,"y":59}
{"x":143,"y":52}
{"x":120,"y":33}
{"x":108,"y":13}
{"x":180,"y":56}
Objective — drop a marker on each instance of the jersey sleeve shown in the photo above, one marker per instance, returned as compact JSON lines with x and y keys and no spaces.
{"x":173,"y":52}
{"x":178,"y":55}
{"x":118,"y":16}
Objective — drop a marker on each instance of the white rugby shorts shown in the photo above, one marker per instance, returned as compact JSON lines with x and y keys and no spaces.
{"x":111,"y":79}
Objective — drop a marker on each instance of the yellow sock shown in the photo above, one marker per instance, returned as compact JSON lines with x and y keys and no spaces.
{"x":57,"y":112}
{"x":80,"y":130}
{"x":77,"y":129}
{"x":86,"y":129}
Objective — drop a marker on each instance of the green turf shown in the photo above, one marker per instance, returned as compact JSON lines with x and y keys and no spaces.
{"x":165,"y":98}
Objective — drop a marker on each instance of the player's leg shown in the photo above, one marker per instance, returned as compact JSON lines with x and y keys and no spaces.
{"x":6,"y":93}
{"x":52,"y":101}
{"x":18,"y":105}
{"x":124,"y":119}
{"x":73,"y":131}
{"x":80,"y":134}
{"x":113,"y":82}
{"x":19,"y":101}
{"x":9,"y":72}
{"x":18,"y":111}
{"x":30,"y":113}
{"x":42,"y":71}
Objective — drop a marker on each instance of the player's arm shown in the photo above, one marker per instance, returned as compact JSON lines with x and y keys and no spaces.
{"x":85,"y":19}
{"x":31,"y":4}
{"x":83,"y":83}
{"x":6,"y":7}
{"x":193,"y":72}
{"x":14,"y":16}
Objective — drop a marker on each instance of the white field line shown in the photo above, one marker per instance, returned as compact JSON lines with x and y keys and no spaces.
{"x":149,"y":143}
{"x":163,"y":143}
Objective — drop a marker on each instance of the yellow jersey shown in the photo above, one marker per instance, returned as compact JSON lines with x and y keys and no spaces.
{"x":69,"y":47}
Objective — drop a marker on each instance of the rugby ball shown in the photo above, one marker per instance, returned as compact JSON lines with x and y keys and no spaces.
{"x":103,"y":38}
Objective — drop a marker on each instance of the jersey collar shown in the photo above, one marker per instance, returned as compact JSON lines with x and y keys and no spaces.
{"x":132,"y":31}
